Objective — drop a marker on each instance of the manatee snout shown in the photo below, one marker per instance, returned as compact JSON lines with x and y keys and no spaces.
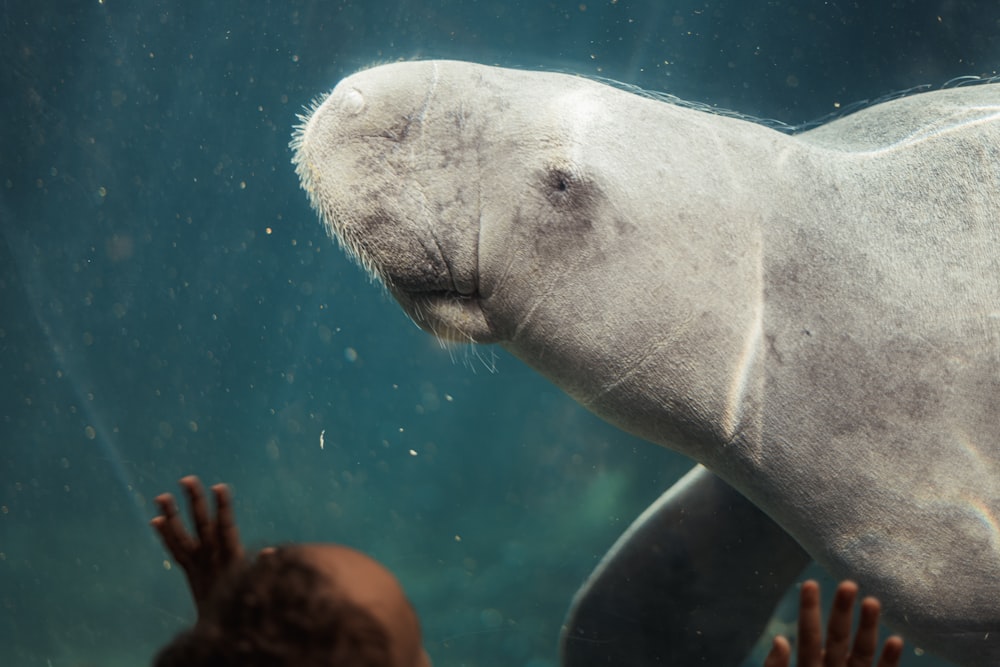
{"x":393,"y":161}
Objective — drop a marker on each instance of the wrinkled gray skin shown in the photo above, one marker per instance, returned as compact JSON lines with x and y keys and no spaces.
{"x":815,"y":318}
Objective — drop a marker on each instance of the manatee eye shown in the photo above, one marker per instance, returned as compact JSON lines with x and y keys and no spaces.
{"x":563,"y":184}
{"x":570,"y":202}
{"x":559,"y":180}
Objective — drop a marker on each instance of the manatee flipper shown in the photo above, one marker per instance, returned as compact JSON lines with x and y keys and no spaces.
{"x":693,"y":581}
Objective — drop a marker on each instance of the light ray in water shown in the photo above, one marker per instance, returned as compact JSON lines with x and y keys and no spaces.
{"x":27,"y":259}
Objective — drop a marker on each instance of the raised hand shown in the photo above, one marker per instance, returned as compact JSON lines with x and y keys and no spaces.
{"x":838,"y":651}
{"x":214,"y":549}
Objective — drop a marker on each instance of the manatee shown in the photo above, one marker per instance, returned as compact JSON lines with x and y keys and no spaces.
{"x":813,"y":317}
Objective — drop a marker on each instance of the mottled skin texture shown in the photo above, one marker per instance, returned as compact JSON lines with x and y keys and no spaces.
{"x":815,"y":318}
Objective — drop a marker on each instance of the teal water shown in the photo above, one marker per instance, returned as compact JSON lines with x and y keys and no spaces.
{"x":170,"y":305}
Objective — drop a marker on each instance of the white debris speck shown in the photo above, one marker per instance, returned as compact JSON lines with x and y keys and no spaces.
{"x":321,"y":434}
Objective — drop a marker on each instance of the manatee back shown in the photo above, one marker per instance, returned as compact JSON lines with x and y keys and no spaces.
{"x":881,"y":408}
{"x":909,"y":118}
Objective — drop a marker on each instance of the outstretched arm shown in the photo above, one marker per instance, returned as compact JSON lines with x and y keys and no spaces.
{"x":838,"y":651}
{"x":213,"y":550}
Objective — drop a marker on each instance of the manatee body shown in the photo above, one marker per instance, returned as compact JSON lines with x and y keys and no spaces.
{"x":815,"y":318}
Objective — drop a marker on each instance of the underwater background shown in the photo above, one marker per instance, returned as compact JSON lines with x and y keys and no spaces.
{"x":169,"y":304}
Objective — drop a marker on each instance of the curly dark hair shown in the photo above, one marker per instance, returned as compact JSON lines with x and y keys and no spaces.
{"x":278,"y":611}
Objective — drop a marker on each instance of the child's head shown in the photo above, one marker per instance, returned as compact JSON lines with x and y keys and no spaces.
{"x":309,"y":605}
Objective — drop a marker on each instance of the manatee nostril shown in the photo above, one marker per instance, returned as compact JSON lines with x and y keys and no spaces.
{"x":353,"y":102}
